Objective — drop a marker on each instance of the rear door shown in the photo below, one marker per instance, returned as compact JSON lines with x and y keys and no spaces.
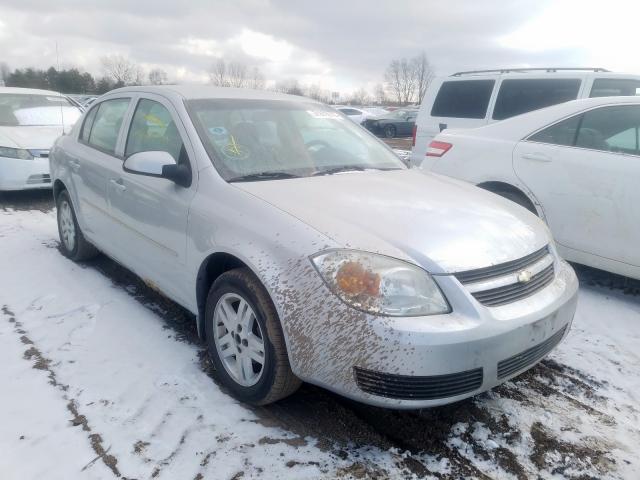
{"x":455,"y":103}
{"x":153,"y":212}
{"x":585,"y":172}
{"x":93,"y":160}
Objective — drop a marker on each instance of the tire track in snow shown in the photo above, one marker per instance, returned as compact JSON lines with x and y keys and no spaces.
{"x":40,"y":362}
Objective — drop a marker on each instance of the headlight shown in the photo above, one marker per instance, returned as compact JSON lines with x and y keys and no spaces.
{"x":379,"y":284}
{"x":15,"y":153}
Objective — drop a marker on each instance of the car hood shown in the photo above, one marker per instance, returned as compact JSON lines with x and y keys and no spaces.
{"x":440,"y":223}
{"x":40,"y":138}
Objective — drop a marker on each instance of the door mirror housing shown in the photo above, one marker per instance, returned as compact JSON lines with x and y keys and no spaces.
{"x":158,"y":164}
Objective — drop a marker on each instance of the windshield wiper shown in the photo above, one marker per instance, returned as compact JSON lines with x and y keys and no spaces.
{"x":343,"y":168}
{"x":351,"y":168}
{"x":263,"y":176}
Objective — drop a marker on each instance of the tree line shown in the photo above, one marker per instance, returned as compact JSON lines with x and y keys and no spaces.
{"x":405,"y":80}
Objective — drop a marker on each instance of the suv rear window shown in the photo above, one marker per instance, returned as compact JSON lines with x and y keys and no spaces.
{"x":614,"y":87}
{"x":463,"y":99}
{"x":518,"y":96}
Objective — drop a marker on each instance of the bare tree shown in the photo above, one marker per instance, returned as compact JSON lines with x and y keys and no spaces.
{"x":314,"y":91}
{"x":5,"y":71}
{"x":157,"y":76}
{"x":408,"y":79}
{"x":424,"y":73}
{"x":290,"y":86}
{"x":121,"y":70}
{"x":360,"y":97}
{"x":237,"y":74}
{"x":218,"y":73}
{"x":256,"y":79}
{"x":380,"y":94}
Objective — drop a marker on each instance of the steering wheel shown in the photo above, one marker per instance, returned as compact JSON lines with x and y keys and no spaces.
{"x":317,"y":143}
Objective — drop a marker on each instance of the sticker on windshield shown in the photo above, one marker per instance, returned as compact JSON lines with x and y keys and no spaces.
{"x":218,"y":131}
{"x":325,"y":114}
{"x":234,"y":150}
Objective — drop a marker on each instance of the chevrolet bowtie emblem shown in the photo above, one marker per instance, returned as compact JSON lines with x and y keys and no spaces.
{"x":524,"y":276}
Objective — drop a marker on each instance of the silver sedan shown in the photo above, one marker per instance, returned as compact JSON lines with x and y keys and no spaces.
{"x":305,"y":248}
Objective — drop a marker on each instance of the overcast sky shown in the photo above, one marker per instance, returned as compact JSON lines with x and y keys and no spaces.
{"x":340,"y":45}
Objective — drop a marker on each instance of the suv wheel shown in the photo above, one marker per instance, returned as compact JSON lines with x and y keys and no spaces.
{"x":245,"y":340}
{"x":72,"y":242}
{"x":390,"y":131}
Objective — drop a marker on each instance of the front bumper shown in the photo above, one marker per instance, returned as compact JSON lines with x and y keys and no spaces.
{"x":379,"y":360}
{"x":19,"y":174}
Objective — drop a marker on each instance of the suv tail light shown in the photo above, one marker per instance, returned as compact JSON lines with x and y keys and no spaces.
{"x":415,"y":129}
{"x":438,"y":149}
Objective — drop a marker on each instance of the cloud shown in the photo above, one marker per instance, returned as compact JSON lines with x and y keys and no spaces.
{"x":338,"y":44}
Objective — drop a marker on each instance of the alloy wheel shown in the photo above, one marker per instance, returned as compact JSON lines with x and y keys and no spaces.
{"x":67,"y":225}
{"x":239,"y":339}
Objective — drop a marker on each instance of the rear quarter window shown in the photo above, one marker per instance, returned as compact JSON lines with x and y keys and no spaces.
{"x":518,"y":96}
{"x":463,"y":99}
{"x":615,"y":87}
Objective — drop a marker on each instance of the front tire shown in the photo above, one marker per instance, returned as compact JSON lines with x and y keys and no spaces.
{"x":72,"y":242}
{"x":390,"y":131}
{"x":245,"y":340}
{"x":518,"y":198}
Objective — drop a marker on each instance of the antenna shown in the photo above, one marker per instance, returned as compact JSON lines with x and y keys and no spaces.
{"x":61,"y":108}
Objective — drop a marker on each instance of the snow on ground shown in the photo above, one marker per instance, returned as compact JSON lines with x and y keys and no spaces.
{"x":97,"y":383}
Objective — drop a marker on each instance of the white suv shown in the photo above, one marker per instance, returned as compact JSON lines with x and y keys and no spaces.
{"x":473,"y":99}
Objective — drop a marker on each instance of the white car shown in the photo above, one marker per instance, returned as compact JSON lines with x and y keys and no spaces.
{"x":30,"y":121}
{"x":307,"y":250}
{"x":576,"y":165}
{"x":358,"y":115}
{"x":477,"y":98}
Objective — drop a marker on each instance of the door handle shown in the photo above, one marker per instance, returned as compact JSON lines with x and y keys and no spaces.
{"x":536,"y":157}
{"x":118,"y":184}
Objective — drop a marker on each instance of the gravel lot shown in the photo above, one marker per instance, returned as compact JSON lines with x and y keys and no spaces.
{"x":107,"y":379}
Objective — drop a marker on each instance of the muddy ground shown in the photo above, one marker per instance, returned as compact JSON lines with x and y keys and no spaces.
{"x":458,"y":436}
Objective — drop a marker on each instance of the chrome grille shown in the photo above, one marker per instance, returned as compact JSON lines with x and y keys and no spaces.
{"x":510,"y":281}
{"x":409,"y":387}
{"x":530,"y":356}
{"x":493,"y":271}
{"x":516,"y":291}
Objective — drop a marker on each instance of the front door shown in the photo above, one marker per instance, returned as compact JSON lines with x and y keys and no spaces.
{"x":153,"y":212}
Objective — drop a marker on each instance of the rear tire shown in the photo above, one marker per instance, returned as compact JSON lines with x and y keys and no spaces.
{"x":390,"y":131}
{"x":245,"y":340}
{"x":72,"y":242}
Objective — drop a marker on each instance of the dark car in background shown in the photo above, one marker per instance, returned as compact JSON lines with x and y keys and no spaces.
{"x":398,"y":123}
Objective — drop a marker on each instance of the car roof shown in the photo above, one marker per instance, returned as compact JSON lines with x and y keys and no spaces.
{"x":516,"y":128}
{"x":193,"y":92}
{"x":30,"y":91}
{"x":524,"y":74}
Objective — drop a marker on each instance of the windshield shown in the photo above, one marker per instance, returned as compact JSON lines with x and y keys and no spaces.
{"x":19,"y":109}
{"x":266,"y":139}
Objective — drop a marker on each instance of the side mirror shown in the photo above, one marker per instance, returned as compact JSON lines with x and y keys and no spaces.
{"x":158,"y":164}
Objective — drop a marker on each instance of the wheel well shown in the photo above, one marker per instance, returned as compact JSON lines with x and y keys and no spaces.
{"x":213,"y":266}
{"x":58,"y":186}
{"x":496,"y":187}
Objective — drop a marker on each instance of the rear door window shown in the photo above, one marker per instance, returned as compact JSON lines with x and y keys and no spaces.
{"x":518,"y":96}
{"x":562,"y":133}
{"x":463,"y":99}
{"x":615,"y":87}
{"x":611,"y":129}
{"x":107,"y":123}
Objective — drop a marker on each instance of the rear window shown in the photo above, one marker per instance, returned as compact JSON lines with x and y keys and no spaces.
{"x":525,"y":95}
{"x":614,"y":87}
{"x":463,"y":99}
